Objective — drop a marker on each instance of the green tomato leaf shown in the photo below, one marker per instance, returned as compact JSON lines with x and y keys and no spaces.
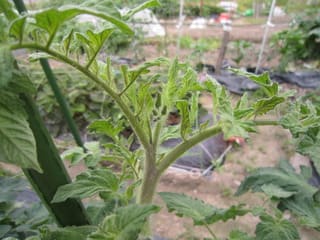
{"x":51,"y":19}
{"x":265,"y":105}
{"x":216,"y":91}
{"x":97,"y":211}
{"x":147,"y":4}
{"x":283,"y":176}
{"x":145,"y":103}
{"x":170,"y":88}
{"x":194,"y":109}
{"x":185,"y":128}
{"x":17,"y":28}
{"x":263,"y":80}
{"x":20,"y":84}
{"x":125,"y":224}
{"x":200,"y":212}
{"x":107,"y":127}
{"x":303,"y":121}
{"x":309,"y":145}
{"x":67,"y":40}
{"x":275,"y":191}
{"x":6,"y":66}
{"x":185,"y":206}
{"x":7,"y":8}
{"x":93,"y":41}
{"x":227,"y":214}
{"x":276,"y":228}
{"x":10,"y":188}
{"x":4,"y":229}
{"x":88,"y":184}
{"x":306,"y":210}
{"x":74,"y":155}
{"x":300,"y":117}
{"x":169,"y":132}
{"x":231,"y":126}
{"x":118,"y":23}
{"x":189,"y":83}
{"x":91,"y":157}
{"x":17,"y":143}
{"x":70,"y":233}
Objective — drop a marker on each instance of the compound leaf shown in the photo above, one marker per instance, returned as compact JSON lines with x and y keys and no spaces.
{"x":275,"y":228}
{"x":275,"y":191}
{"x":185,"y":129}
{"x":265,"y":105}
{"x":227,"y":214}
{"x":88,"y":184}
{"x":200,"y":212}
{"x":125,"y":224}
{"x":185,"y":206}
{"x":105,"y":126}
{"x":283,"y":176}
{"x":307,"y":211}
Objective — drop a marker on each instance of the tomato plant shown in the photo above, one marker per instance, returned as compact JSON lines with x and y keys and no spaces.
{"x":146,"y":94}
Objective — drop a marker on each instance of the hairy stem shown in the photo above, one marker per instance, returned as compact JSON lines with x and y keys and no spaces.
{"x":150,"y":177}
{"x":180,"y":149}
{"x":125,"y":109}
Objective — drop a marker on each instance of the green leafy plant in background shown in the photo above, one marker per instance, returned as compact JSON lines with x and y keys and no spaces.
{"x":86,"y":101}
{"x":145,"y":95}
{"x":301,"y":41}
{"x":19,"y":219}
{"x":193,"y":10}
{"x":240,"y":49}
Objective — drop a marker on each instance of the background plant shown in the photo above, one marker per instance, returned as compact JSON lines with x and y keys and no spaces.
{"x":241,"y":49}
{"x":301,"y":42}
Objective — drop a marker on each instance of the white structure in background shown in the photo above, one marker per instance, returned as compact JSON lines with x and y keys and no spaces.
{"x":199,"y":23}
{"x":85,"y":18}
{"x":148,"y":23}
{"x":278,"y":12}
{"x":229,"y":6}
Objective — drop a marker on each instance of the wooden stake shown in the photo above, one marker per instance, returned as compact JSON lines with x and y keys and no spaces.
{"x":223,"y":49}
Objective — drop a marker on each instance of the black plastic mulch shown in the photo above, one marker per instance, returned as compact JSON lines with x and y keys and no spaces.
{"x":238,"y":84}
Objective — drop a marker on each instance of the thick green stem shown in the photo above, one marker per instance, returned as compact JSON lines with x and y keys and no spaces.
{"x":143,"y":138}
{"x":180,"y":149}
{"x":150,"y":177}
{"x":199,"y":137}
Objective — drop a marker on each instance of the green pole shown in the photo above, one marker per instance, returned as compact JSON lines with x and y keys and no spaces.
{"x":62,"y":101}
{"x":55,"y":88}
